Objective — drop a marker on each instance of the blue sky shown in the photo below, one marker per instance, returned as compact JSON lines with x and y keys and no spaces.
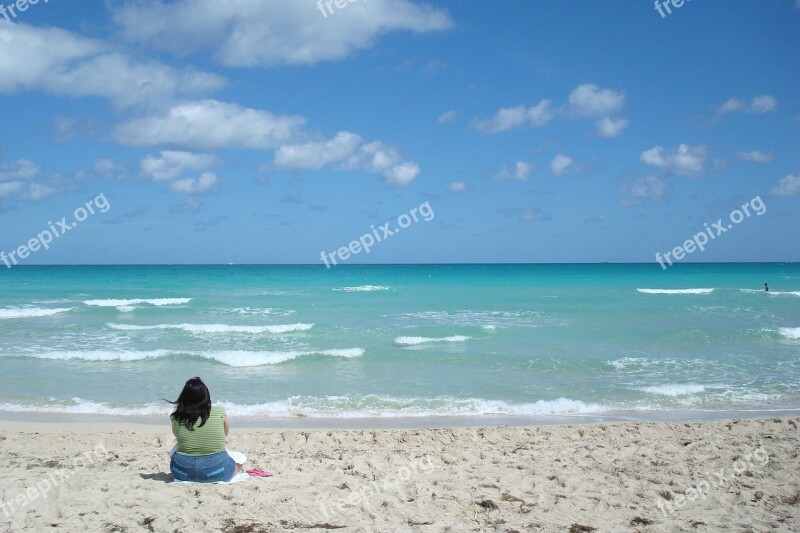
{"x":262,"y":131}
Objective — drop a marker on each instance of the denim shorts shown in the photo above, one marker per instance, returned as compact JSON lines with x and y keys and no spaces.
{"x":203,"y":468}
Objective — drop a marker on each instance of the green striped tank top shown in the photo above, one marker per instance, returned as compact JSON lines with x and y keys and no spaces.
{"x":206,"y":440}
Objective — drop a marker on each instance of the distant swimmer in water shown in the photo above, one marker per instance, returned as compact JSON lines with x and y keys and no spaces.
{"x":766,"y":287}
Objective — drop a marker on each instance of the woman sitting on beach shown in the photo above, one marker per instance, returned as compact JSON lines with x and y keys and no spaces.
{"x":200,"y":429}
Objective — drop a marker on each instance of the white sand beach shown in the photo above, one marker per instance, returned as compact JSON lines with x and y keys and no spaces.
{"x":740,"y":475}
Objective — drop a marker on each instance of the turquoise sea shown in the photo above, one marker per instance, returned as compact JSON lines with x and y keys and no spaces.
{"x":517,"y":342}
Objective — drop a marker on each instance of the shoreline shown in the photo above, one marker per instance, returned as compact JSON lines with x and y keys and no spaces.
{"x":654,"y":476}
{"x":398,"y":423}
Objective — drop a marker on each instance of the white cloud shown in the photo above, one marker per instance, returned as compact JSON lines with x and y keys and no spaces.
{"x":22,"y":169}
{"x":457,"y":186}
{"x":756,"y":156}
{"x":38,"y":191}
{"x":646,"y":189}
{"x":589,"y":100}
{"x":534,"y":213}
{"x":62,"y":63}
{"x":759,"y":104}
{"x":608,"y":127}
{"x":562,"y":164}
{"x":108,"y":169}
{"x":685,"y":160}
{"x":9,"y":188}
{"x":248,"y":33}
{"x":210,"y":124}
{"x":585,"y":101}
{"x":171,"y":164}
{"x":316,"y":155}
{"x":447,"y":117}
{"x":519,"y":171}
{"x":789,"y":186}
{"x":351,"y":153}
{"x":515,"y":117}
{"x":202,"y":185}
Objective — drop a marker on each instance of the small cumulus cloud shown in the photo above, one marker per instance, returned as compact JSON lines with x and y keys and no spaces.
{"x":563,"y":165}
{"x":642,"y":190}
{"x":756,"y":156}
{"x":205,"y":184}
{"x":349,"y":152}
{"x":171,"y":164}
{"x":684,"y":160}
{"x":509,"y":118}
{"x":108,"y":169}
{"x":447,"y":117}
{"x":788,"y":186}
{"x":519,"y":171}
{"x":586,"y":101}
{"x":608,"y":127}
{"x":758,"y":105}
{"x":457,"y":186}
{"x":590,"y":101}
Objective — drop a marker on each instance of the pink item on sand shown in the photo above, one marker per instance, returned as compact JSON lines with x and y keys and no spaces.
{"x":257,"y":472}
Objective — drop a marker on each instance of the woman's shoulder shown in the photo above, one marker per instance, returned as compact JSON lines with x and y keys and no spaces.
{"x":217,"y":410}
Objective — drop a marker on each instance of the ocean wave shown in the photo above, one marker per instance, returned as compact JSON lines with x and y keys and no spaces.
{"x":157,"y":302}
{"x":202,"y":329}
{"x":771,"y":293}
{"x":484,"y":319}
{"x":79,"y":406}
{"x":413,"y":341}
{"x":674,"y":390}
{"x":347,"y":407}
{"x":232,"y":358}
{"x":790,"y":333}
{"x":640,"y":364}
{"x":257,"y":311}
{"x":30,"y":312}
{"x":676,"y":291}
{"x":363,"y":288}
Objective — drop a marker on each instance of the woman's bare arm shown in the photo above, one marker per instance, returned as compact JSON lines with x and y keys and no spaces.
{"x":227,"y":425}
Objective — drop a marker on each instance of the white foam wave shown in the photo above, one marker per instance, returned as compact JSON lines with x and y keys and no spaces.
{"x":347,"y":407}
{"x":233,"y":358}
{"x":484,"y":319}
{"x":772,"y":293}
{"x":87,"y":407}
{"x":363,"y":288}
{"x":413,"y":341}
{"x":676,"y":291}
{"x":237,"y":358}
{"x":674,"y":390}
{"x":202,"y":329}
{"x":790,"y":333}
{"x":157,"y":302}
{"x":254,"y":311}
{"x":99,"y":355}
{"x":30,"y":312}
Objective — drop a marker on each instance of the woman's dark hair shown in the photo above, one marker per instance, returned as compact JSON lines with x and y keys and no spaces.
{"x":193,"y":403}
